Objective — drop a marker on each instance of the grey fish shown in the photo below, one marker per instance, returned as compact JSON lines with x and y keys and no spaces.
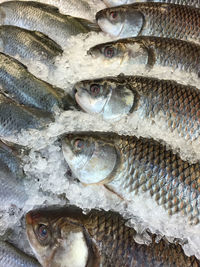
{"x":129,"y":166}
{"x":172,"y":108}
{"x":16,"y":41}
{"x":194,"y":3}
{"x":12,"y":257}
{"x":151,"y":51}
{"x":67,"y":237}
{"x":9,"y":158}
{"x":15,"y":118}
{"x":12,"y":191}
{"x":20,"y":85}
{"x":44,"y":18}
{"x":151,"y":19}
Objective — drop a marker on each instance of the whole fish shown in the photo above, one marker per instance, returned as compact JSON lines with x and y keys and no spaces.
{"x":44,"y":18}
{"x":12,"y":257}
{"x":151,"y":51}
{"x":16,"y":41}
{"x":129,"y":166}
{"x":194,"y":3}
{"x":170,"y":109}
{"x":15,"y":118}
{"x":67,"y":237}
{"x":20,"y":85}
{"x":151,"y":19}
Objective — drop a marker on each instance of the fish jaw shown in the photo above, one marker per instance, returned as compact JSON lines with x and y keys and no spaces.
{"x":94,"y":166}
{"x":89,"y":104}
{"x":66,"y":254}
{"x":114,"y":29}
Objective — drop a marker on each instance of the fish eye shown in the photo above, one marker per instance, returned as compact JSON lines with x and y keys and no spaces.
{"x":95,"y":89}
{"x":43,"y":232}
{"x":79,"y":144}
{"x":109,"y":51}
{"x":113,"y":15}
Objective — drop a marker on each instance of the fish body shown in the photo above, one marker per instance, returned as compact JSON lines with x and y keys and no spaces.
{"x":151,"y":19}
{"x":16,"y":41}
{"x":20,"y":85}
{"x":12,"y":257}
{"x":12,"y":191}
{"x":151,"y":51}
{"x":129,"y":167}
{"x":194,"y":3}
{"x":10,"y":160}
{"x":15,"y":118}
{"x":101,"y":238}
{"x":44,"y":18}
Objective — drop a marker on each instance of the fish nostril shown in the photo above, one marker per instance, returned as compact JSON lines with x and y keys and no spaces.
{"x":74,"y":91}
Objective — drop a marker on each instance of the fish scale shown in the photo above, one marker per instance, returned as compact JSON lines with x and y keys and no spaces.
{"x":173,"y":183}
{"x":121,"y":249}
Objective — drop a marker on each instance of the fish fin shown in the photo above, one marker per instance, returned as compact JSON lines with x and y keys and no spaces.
{"x":91,"y":26}
{"x":44,"y":6}
{"x":113,"y":192}
{"x":15,"y":60}
{"x":151,"y":57}
{"x":45,"y":38}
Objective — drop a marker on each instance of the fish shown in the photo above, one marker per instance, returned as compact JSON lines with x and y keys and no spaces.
{"x":131,"y":166}
{"x":13,"y":257}
{"x":14,"y":118}
{"x":44,"y":18}
{"x":15,"y":41}
{"x":23,"y":87}
{"x":194,"y":3}
{"x":171,"y":108}
{"x":150,"y":51}
{"x":151,"y":19}
{"x":99,"y":238}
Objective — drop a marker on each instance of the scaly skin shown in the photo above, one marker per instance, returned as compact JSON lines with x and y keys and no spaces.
{"x":110,"y":242}
{"x":12,"y":257}
{"x":28,"y":44}
{"x":20,"y":85}
{"x":194,"y":3}
{"x":147,"y":166}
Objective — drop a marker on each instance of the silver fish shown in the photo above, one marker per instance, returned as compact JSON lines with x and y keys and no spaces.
{"x":15,"y":118}
{"x":132,"y":168}
{"x":44,"y":18}
{"x":20,"y":85}
{"x":150,"y":51}
{"x":151,"y":19}
{"x":12,"y":257}
{"x":194,"y":3}
{"x":16,"y":41}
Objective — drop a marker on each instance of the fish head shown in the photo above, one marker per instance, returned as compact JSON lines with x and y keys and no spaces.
{"x":110,"y":97}
{"x":121,"y":51}
{"x":122,"y":21}
{"x":109,"y":52}
{"x":56,"y":238}
{"x":91,"y":159}
{"x":115,"y":3}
